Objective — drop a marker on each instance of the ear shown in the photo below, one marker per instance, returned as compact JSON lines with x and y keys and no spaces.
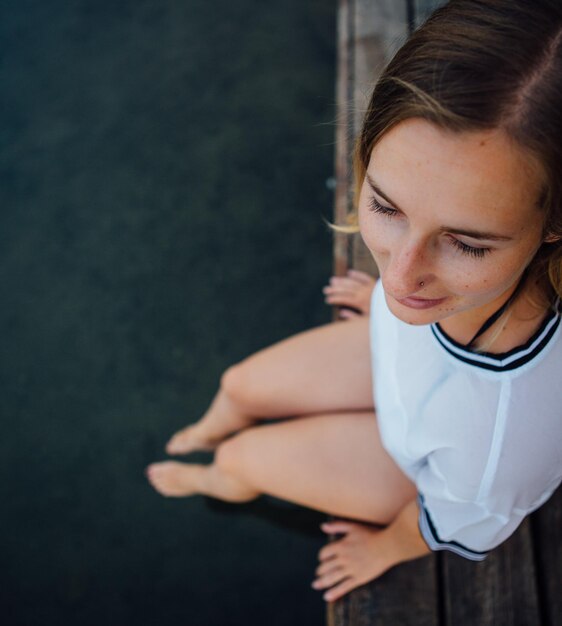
{"x":552,"y":238}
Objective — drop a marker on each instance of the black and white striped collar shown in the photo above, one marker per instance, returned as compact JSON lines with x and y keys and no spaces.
{"x":505,"y":361}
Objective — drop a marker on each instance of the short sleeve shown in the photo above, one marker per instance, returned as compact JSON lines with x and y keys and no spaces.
{"x":435,"y":542}
{"x":466,"y":526}
{"x":463,"y":512}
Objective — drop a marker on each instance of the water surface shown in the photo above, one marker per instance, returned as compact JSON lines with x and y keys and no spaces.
{"x":162,"y":170}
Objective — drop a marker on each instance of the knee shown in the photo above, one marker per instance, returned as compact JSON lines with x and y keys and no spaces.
{"x":236,"y":383}
{"x":230,"y":380}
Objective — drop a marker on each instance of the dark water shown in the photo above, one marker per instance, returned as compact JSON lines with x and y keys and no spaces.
{"x":162,"y":182}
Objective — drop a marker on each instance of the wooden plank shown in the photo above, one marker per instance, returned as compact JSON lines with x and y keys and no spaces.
{"x":380,"y":28}
{"x":499,"y":591}
{"x":546,"y":524}
{"x":403,"y":596}
{"x":344,"y":133}
{"x":368,"y":35}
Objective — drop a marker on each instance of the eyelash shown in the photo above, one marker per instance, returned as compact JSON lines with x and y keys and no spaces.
{"x":478,"y":253}
{"x":377,"y":207}
{"x":474,"y":252}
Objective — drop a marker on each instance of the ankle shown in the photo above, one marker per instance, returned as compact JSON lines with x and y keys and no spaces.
{"x":220,"y":484}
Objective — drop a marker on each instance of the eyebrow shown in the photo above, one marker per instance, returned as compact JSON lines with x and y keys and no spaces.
{"x":473,"y":234}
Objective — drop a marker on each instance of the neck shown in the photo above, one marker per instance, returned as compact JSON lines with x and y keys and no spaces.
{"x":526,"y":308}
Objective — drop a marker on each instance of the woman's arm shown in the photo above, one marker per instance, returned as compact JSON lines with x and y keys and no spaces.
{"x":365,"y":552}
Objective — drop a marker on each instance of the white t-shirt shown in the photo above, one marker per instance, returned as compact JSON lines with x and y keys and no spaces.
{"x":479,"y":434}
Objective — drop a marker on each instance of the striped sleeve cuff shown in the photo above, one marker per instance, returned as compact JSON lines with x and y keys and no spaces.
{"x":432,"y":539}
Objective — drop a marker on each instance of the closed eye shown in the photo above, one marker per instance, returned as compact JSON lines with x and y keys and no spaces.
{"x":470,"y":250}
{"x":377,"y":207}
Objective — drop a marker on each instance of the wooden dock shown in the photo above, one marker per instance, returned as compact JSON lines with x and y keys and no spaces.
{"x":519,"y":583}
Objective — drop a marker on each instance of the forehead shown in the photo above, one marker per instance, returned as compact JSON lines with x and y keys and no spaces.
{"x":482,"y":174}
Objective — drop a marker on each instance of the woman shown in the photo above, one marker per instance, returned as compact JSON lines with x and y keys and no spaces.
{"x":459,"y":172}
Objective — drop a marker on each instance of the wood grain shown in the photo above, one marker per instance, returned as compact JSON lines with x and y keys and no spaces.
{"x":499,"y":591}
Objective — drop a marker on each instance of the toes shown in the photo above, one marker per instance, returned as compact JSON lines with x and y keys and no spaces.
{"x":152,"y":475}
{"x":171,"y":478}
{"x":151,"y":471}
{"x":172,"y":446}
{"x":179,"y":442}
{"x":185,"y":442}
{"x":156,"y":471}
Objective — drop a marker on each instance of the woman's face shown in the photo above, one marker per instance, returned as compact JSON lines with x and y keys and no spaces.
{"x":450,"y":219}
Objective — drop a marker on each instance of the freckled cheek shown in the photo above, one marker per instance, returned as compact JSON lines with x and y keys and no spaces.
{"x":491,"y":279}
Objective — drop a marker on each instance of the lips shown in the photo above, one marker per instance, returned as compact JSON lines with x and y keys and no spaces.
{"x":420,"y":303}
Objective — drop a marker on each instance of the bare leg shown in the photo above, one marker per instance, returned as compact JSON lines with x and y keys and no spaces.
{"x":324,"y":369}
{"x":222,"y":418}
{"x":333,"y":463}
{"x":175,"y":479}
{"x":330,"y":459}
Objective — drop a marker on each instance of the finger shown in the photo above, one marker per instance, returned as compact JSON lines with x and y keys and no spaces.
{"x":338,"y":281}
{"x":343,"y":282}
{"x":340,"y":590}
{"x":361,"y":277}
{"x":335,"y":284}
{"x":327,"y":567}
{"x":329,"y":580}
{"x":339,"y":291}
{"x":342,"y":299}
{"x":329,"y":551}
{"x":337,"y":526}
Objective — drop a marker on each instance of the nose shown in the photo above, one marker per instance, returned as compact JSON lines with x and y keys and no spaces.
{"x":407,"y":267}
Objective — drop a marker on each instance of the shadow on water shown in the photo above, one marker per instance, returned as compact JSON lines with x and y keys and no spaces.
{"x":162,"y":186}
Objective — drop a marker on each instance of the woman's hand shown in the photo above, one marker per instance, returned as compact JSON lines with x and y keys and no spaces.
{"x":352,"y":291}
{"x":364,"y":553}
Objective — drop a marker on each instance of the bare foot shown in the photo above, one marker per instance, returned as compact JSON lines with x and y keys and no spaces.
{"x":191,"y":438}
{"x":171,"y":478}
{"x":222,"y":419}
